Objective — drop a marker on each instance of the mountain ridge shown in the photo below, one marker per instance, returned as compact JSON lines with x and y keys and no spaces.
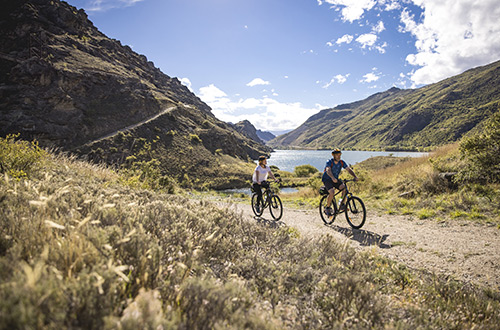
{"x":399,"y":119}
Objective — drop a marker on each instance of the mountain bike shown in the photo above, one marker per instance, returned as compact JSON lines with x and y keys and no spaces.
{"x":269,"y":199}
{"x":355,"y":211}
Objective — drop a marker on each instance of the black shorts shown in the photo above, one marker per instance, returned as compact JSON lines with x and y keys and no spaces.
{"x":329,"y":184}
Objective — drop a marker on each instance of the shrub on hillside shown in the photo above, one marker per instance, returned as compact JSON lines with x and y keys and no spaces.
{"x":18,"y":158}
{"x":481,"y":154}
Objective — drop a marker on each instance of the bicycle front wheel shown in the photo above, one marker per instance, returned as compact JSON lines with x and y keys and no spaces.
{"x":256,"y":207}
{"x":276,"y":207}
{"x":327,"y":219}
{"x":355,"y":212}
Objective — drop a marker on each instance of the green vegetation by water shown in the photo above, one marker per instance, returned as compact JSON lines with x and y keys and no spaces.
{"x":80,"y":247}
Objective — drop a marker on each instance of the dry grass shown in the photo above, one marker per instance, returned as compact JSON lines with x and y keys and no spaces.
{"x":80,"y":250}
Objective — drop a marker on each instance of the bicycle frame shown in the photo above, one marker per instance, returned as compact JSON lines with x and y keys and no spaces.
{"x":269,"y":200}
{"x":354,"y":209}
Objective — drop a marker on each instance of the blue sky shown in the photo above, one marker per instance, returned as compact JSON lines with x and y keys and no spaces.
{"x":278,"y":62}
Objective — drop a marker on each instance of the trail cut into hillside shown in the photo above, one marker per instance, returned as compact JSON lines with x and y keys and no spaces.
{"x":461,"y":250}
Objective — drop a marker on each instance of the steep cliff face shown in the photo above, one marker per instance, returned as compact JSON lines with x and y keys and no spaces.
{"x":69,"y":86}
{"x":65,"y":83}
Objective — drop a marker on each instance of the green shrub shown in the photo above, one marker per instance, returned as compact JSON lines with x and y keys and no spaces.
{"x":194,"y":138}
{"x":305,"y":170}
{"x":18,"y":158}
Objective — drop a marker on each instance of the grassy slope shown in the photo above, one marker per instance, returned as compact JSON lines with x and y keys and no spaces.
{"x":80,"y":249}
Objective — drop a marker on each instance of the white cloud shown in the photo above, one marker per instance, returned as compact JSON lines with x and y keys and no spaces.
{"x":394,"y":5}
{"x":186,"y":82}
{"x":346,"y":38}
{"x":340,"y":79}
{"x":453,"y":36}
{"x":367,"y":39}
{"x":265,"y":113}
{"x":352,"y":9}
{"x":379,"y":27}
{"x":370,"y":77}
{"x":258,"y":81}
{"x":212,"y":94}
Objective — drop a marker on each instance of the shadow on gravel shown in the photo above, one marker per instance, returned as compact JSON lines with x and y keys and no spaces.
{"x":364,"y":237}
{"x":268,"y":222}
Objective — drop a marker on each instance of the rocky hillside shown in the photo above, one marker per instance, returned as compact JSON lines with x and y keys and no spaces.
{"x":246,"y":128}
{"x":69,"y":86}
{"x":404,"y":119}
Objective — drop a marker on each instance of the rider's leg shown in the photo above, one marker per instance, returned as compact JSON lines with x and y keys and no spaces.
{"x":329,"y":199}
{"x":344,"y":193}
{"x":258,"y":190}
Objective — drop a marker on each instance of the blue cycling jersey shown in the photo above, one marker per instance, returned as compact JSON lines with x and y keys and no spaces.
{"x":336,"y":168}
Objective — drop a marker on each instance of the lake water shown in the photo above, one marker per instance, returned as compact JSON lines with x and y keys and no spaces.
{"x":287,"y":160}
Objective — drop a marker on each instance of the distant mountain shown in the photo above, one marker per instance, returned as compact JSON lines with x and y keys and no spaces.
{"x":265,"y":136}
{"x":69,"y":86}
{"x":246,"y":128}
{"x":404,"y":119}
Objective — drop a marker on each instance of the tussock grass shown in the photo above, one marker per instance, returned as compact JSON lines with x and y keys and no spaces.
{"x":79,"y":249}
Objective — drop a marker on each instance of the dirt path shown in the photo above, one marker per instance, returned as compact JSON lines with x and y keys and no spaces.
{"x":467,"y":251}
{"x":131,"y":127}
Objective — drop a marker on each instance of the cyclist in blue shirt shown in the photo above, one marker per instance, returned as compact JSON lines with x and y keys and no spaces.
{"x":331,"y":179}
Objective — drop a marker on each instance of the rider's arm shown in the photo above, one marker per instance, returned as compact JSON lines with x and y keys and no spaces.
{"x":271,"y":175}
{"x":352,"y":173}
{"x":330,"y":174}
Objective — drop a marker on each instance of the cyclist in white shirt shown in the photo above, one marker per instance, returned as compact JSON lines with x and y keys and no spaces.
{"x":260,"y":176}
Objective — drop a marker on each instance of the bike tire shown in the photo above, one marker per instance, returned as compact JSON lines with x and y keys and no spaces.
{"x":254,"y":206}
{"x":276,"y":207}
{"x":328,"y":220}
{"x":355,"y":212}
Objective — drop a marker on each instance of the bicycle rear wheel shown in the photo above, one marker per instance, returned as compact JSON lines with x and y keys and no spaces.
{"x":327,"y":219}
{"x":355,"y":212}
{"x":276,"y":207}
{"x":254,"y":206}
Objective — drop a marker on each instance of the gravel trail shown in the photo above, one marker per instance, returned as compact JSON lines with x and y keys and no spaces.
{"x":467,"y":251}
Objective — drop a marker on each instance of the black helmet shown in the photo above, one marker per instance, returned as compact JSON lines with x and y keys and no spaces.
{"x":336,"y":151}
